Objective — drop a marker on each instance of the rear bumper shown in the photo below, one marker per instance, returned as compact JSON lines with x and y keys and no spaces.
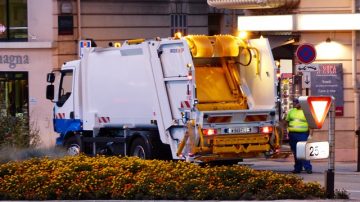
{"x":233,"y":147}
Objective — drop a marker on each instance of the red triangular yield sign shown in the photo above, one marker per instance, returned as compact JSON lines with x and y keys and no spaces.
{"x":319,"y":107}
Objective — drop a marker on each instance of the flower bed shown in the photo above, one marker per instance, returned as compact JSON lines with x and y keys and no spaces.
{"x":101,"y":177}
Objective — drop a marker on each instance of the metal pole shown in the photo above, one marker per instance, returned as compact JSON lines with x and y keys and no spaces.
{"x":78,"y":5}
{"x":95,"y":133}
{"x":125,"y":127}
{"x":7,"y":20}
{"x":357,"y":132}
{"x":330,"y":174}
{"x":355,"y":84}
{"x":358,"y":153}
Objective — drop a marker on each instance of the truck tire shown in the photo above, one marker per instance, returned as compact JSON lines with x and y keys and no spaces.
{"x":140,"y":149}
{"x":72,"y":146}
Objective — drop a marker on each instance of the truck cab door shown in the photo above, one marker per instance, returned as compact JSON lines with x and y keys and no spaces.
{"x":64,"y":117}
{"x":65,"y":102}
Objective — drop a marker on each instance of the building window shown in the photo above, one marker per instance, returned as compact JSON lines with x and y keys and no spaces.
{"x":178,"y":24}
{"x":214,"y":23}
{"x":13,"y":20}
{"x":65,"y":25}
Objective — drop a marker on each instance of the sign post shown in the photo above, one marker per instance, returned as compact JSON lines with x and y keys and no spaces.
{"x":315,"y":110}
{"x":306,"y":80}
{"x":306,"y":71}
{"x":330,"y":175}
{"x":306,"y":54}
{"x":308,"y":68}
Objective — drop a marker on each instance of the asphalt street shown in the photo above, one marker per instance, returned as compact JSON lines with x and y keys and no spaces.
{"x":346,"y":175}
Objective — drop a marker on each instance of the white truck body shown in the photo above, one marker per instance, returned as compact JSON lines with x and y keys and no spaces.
{"x":162,"y":86}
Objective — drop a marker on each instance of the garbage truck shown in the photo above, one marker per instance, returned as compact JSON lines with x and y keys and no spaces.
{"x":196,"y":98}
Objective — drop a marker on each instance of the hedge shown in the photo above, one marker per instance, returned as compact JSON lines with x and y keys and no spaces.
{"x":101,"y":177}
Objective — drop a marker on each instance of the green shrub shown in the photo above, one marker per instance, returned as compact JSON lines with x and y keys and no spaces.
{"x":127,"y":178}
{"x":15,"y":131}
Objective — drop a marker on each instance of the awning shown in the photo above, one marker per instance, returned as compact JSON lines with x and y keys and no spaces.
{"x":253,"y":4}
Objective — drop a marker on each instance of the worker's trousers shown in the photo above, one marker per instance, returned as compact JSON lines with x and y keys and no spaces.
{"x":295,"y":137}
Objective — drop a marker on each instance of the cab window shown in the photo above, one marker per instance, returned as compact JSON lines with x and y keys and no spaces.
{"x":65,"y":87}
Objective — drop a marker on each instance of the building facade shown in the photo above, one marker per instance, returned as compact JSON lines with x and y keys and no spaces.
{"x":27,"y":47}
{"x":37,"y":36}
{"x":342,"y":50}
{"x":337,"y":52}
{"x":111,"y":21}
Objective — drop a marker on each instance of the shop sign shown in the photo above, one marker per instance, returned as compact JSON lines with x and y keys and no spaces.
{"x":328,"y":81}
{"x":13,"y":60}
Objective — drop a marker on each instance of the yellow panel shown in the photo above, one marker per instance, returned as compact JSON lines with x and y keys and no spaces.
{"x":222,"y":106}
{"x":218,"y":89}
{"x":135,"y":41}
{"x":226,"y":46}
{"x":241,"y":149}
{"x":217,"y":86}
{"x":243,"y":139}
{"x":200,"y":46}
{"x":212,"y":85}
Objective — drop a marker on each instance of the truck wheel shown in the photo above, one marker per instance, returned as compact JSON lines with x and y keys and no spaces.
{"x":72,"y":146}
{"x":140,"y":149}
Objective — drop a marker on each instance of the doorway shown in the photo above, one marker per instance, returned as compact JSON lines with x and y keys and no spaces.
{"x":14,"y":91}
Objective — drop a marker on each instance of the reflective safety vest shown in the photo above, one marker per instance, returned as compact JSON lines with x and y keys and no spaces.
{"x":297,"y":121}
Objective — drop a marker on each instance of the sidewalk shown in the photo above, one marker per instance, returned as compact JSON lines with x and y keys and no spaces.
{"x":286,"y":165}
{"x":346,"y":175}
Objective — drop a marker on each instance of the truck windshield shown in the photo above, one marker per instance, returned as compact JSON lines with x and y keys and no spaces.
{"x":65,"y":87}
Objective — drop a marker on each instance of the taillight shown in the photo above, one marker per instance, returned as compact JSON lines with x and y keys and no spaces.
{"x":189,"y":76}
{"x":266,"y":129}
{"x":209,"y":131}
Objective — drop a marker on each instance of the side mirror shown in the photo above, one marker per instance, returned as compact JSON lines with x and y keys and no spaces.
{"x":50,"y":92}
{"x":50,"y":78}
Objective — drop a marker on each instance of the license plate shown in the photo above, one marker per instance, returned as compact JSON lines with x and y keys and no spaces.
{"x":240,"y":130}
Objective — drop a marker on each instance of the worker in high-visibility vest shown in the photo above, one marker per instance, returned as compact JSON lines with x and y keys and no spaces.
{"x":298,"y":129}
